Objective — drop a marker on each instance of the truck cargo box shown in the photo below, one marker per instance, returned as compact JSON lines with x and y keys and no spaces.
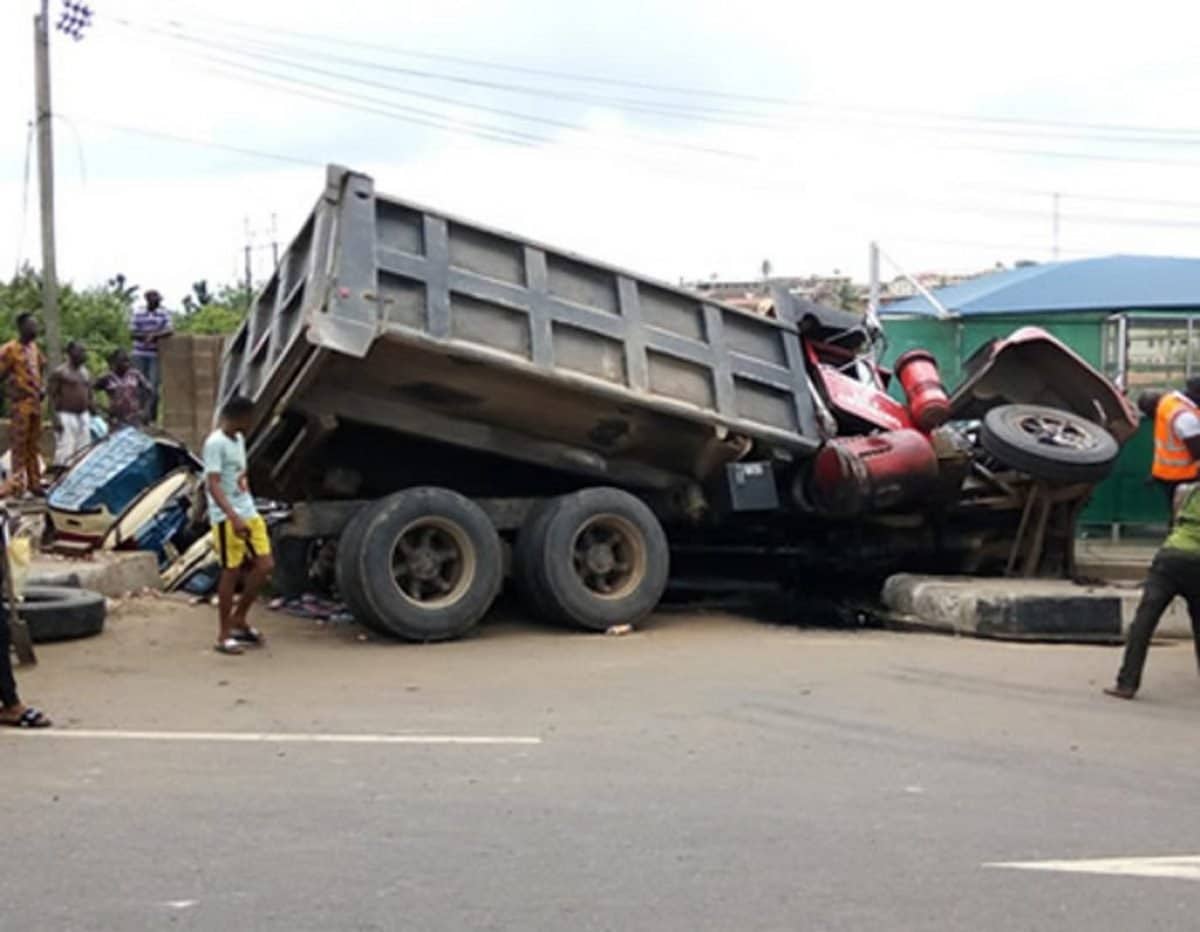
{"x":391,"y":317}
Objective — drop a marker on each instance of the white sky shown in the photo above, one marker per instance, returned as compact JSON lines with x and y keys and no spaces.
{"x":626,"y":186}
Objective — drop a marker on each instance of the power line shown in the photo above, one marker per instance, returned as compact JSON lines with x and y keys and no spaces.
{"x":708,"y":115}
{"x":682,"y":90}
{"x":24,"y":200}
{"x":1007,"y":151}
{"x":289,"y":84}
{"x":312,"y":91}
{"x":195,"y":141}
{"x":452,"y":101}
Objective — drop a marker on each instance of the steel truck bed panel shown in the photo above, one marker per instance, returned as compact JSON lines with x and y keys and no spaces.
{"x":381,"y":303}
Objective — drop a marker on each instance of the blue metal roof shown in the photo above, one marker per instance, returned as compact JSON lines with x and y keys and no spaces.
{"x":1109,"y":283}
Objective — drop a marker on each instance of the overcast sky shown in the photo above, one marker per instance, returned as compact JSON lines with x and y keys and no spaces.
{"x":871,"y":135}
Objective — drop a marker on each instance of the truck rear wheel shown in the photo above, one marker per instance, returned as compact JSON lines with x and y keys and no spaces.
{"x":349,"y":551}
{"x":594,"y":559}
{"x":527,"y":557}
{"x":428,"y":564}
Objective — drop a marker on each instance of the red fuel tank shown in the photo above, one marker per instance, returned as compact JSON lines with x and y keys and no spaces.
{"x":927,"y":401}
{"x":855,"y":475}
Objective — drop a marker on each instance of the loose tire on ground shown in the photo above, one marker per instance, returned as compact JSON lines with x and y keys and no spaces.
{"x":597,"y":558}
{"x":349,"y":552}
{"x":60,"y":613}
{"x":429,"y":564}
{"x":1048,"y":443}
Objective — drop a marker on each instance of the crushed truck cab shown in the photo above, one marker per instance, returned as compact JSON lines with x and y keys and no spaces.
{"x":432,"y":393}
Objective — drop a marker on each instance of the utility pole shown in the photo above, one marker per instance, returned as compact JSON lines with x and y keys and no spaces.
{"x":249,"y":255}
{"x":45,"y":147}
{"x":1055,"y":209}
{"x":873,"y":278}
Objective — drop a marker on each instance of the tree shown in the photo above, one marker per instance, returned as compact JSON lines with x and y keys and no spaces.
{"x":847,"y":298}
{"x":97,"y":316}
{"x":220,"y":313}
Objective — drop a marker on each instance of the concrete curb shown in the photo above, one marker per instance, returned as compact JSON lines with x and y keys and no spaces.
{"x":1021,"y":609}
{"x":111,"y":574}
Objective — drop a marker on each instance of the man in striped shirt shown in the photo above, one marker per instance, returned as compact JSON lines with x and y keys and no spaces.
{"x":151,"y":325}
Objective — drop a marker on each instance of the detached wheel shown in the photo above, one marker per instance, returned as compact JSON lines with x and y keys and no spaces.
{"x":1049,"y":444}
{"x":429,"y":566}
{"x":595,"y":559}
{"x":60,"y":613}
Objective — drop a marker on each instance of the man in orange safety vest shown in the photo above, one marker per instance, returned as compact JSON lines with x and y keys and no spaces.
{"x":1177,"y":438}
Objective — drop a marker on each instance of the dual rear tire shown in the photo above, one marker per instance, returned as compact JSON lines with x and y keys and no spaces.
{"x":425,"y":564}
{"x":592,"y":560}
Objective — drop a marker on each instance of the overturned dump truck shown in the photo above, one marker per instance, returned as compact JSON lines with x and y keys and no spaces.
{"x":446,"y":405}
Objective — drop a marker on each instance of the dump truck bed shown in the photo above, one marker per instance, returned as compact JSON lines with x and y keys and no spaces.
{"x":388,"y":315}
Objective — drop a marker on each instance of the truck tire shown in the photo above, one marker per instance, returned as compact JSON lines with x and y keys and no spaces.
{"x":1048,"y":443}
{"x":60,"y":613}
{"x":349,"y":553}
{"x":527,"y":558}
{"x":601,"y":559}
{"x":290,"y":577}
{"x":429,"y":564}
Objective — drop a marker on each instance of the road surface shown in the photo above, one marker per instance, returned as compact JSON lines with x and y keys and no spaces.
{"x":709,"y":773}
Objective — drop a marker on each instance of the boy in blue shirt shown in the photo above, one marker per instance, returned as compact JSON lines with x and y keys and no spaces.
{"x":238,"y":530}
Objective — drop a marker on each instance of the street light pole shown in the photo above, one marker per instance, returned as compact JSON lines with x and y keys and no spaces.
{"x":45,"y":147}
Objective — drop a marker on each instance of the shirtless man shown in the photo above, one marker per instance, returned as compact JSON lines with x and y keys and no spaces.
{"x":71,"y":404}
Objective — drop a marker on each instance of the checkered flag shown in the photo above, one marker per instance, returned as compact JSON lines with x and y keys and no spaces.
{"x":75,"y":18}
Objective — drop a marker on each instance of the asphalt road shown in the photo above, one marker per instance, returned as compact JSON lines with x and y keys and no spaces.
{"x":711,"y":773}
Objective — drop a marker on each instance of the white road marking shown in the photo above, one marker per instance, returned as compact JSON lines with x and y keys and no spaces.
{"x":264,"y":737}
{"x":1179,"y":867}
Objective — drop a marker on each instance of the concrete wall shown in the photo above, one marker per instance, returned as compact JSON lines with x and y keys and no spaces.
{"x":190,"y":375}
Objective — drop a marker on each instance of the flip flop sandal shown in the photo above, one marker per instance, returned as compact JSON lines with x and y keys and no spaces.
{"x":249,"y":636}
{"x":30,"y":718}
{"x":230,"y":646}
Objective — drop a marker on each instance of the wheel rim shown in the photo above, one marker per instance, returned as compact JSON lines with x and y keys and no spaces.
{"x":433,"y":562}
{"x":1050,"y":430}
{"x":608,"y":556}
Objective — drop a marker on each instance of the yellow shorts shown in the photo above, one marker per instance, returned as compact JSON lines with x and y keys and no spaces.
{"x":232,"y":550}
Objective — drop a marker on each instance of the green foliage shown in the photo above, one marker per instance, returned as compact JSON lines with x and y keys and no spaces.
{"x":98,"y":316}
{"x":220,"y":313}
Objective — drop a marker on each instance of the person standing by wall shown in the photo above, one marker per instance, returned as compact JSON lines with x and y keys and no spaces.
{"x":129,"y":393}
{"x":150,"y":326}
{"x":70,"y":391}
{"x":1177,"y":439}
{"x":21,"y":367}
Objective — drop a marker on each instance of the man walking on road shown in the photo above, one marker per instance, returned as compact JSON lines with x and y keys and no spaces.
{"x":151,"y":325}
{"x":238,"y":530}
{"x":71,"y":405}
{"x":1174,"y":572}
{"x":1177,"y":438}
{"x":21,"y":368}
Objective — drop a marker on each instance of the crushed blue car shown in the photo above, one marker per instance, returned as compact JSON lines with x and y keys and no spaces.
{"x":95,"y":497}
